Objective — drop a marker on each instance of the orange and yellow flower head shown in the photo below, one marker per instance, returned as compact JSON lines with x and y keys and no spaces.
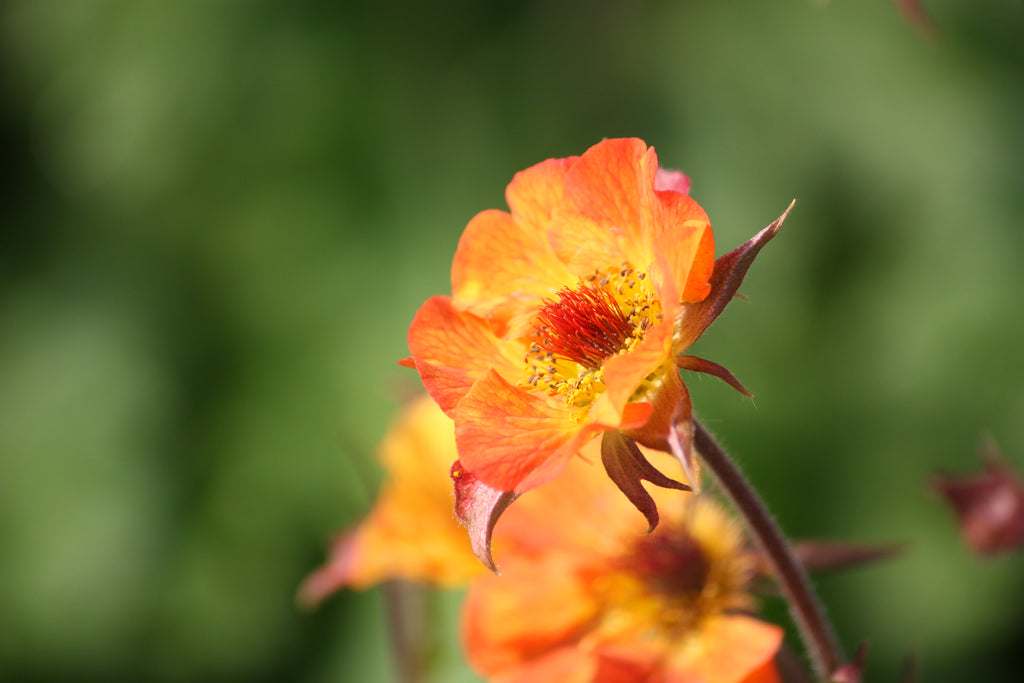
{"x":563,"y":311}
{"x":584,"y":595}
{"x":568,"y":317}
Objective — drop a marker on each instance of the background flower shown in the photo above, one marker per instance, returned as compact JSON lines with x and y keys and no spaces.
{"x":411,"y":533}
{"x":592,"y":590}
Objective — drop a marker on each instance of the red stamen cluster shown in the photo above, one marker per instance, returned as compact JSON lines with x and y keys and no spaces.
{"x":585,"y":326}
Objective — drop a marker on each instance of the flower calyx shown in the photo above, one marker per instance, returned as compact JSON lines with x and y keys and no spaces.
{"x":627,"y":467}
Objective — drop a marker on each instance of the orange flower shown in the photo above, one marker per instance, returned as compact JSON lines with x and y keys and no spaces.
{"x":410,"y":533}
{"x":568,"y":318}
{"x":585,"y":596}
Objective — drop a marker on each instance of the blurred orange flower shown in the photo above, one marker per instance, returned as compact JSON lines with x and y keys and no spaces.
{"x":411,"y":532}
{"x":583,"y":595}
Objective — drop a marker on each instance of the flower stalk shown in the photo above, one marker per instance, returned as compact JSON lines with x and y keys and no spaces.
{"x":807,"y":611}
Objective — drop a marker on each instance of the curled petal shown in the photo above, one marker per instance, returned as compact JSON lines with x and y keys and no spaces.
{"x":479,"y":506}
{"x":627,"y":467}
{"x":622,"y":374}
{"x":725,"y":281}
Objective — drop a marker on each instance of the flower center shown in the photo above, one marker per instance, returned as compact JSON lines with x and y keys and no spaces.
{"x":672,"y":565}
{"x":604,"y":315}
{"x":671,"y":580}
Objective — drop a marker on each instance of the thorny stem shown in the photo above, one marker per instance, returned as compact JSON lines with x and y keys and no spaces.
{"x":804,"y":606}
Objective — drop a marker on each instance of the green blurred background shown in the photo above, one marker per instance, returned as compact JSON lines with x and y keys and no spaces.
{"x":219,"y":218}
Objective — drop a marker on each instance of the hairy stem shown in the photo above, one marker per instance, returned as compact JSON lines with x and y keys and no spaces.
{"x":807,"y":611}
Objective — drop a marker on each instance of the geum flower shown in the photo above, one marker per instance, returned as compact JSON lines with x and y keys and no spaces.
{"x":568,"y":318}
{"x":410,"y":532}
{"x":584,"y":595}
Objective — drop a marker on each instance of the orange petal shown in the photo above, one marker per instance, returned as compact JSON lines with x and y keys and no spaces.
{"x":452,"y":348}
{"x":623,"y":374}
{"x":732,"y":649}
{"x":499,"y":634}
{"x":683,"y":235}
{"x":533,"y":194}
{"x":410,"y":533}
{"x":564,"y":665}
{"x":504,"y":266}
{"x":607,"y":213}
{"x":581,"y":514}
{"x":512,"y":439}
{"x":629,"y":661}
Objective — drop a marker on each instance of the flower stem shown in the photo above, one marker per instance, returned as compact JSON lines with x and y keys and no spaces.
{"x":407,"y":624}
{"x":804,"y":605}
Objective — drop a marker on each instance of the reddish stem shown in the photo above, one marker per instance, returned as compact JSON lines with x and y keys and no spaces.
{"x":804,"y":605}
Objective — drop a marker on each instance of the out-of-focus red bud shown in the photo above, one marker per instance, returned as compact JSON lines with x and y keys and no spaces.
{"x":988,"y":505}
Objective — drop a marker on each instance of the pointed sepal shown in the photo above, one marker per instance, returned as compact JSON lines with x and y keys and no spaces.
{"x":479,"y":506}
{"x":819,"y":556}
{"x":627,"y":466}
{"x":695,"y":364}
{"x":726,"y":278}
